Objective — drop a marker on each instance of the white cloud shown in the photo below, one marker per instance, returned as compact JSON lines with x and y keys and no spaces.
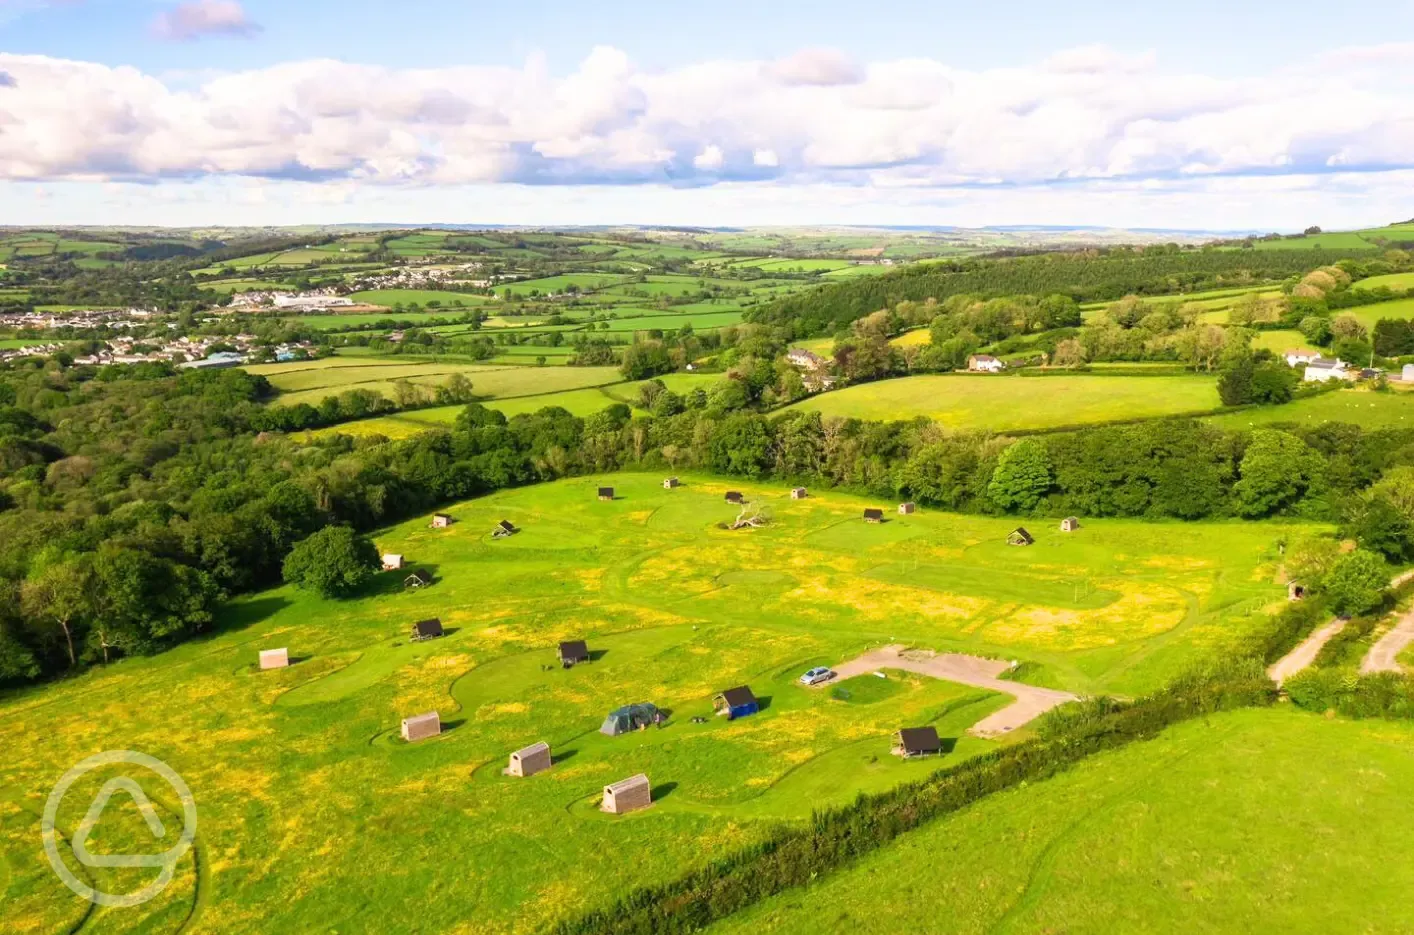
{"x":822,"y":67}
{"x":196,"y":19}
{"x":911,"y":128}
{"x":710,"y":159}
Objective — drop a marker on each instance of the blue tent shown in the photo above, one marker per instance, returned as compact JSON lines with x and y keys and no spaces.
{"x":736,"y":702}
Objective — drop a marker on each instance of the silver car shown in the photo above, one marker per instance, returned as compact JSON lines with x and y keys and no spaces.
{"x":817,"y":675}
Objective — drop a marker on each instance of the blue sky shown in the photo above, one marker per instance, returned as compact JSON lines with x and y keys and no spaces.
{"x":1200,"y":115}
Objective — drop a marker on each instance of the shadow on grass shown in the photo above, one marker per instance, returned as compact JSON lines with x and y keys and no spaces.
{"x":558,"y":757}
{"x":596,"y":654}
{"x":240,"y":616}
{"x":395,"y":582}
{"x":663,"y":790}
{"x":763,"y":702}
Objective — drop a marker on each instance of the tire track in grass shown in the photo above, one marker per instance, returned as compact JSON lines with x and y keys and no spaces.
{"x":1044,"y":864}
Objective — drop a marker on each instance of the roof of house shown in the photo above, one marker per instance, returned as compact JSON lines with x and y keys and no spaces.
{"x":920,"y":740}
{"x":606,"y":491}
{"x":984,"y":358}
{"x":1326,"y":363}
{"x":541,"y":747}
{"x":1021,"y":533}
{"x":872,"y":513}
{"x":506,"y":525}
{"x":736,"y":697}
{"x":423,"y":625}
{"x":422,"y":576}
{"x":574,"y":649}
{"x":733,"y":494}
{"x":419,"y":718}
{"x":441,"y":516}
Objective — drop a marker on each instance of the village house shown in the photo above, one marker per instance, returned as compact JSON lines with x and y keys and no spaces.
{"x":985,"y":363}
{"x":1325,"y":369}
{"x":1296,"y":358}
{"x":807,"y":360}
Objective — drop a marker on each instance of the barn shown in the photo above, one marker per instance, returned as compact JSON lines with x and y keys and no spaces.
{"x":274,"y":658}
{"x":736,"y":702}
{"x":917,"y":741}
{"x":573,"y":652}
{"x":627,"y":795}
{"x":533,"y":759}
{"x":426,"y":629}
{"x":606,"y":493}
{"x":422,"y":726}
{"x":873,"y":515}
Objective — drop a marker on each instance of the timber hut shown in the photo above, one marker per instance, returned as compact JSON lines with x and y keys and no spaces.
{"x":1294,"y":592}
{"x":503,"y":529}
{"x":736,"y":702}
{"x":873,"y":515}
{"x":392,"y":562}
{"x":606,"y":493}
{"x":627,"y":795}
{"x":426,"y":630}
{"x":1070,"y":524}
{"x":907,"y":509}
{"x":274,"y":658}
{"x":1019,"y":536}
{"x":573,"y":652}
{"x":422,"y":726}
{"x":670,"y":483}
{"x":441,"y":520}
{"x":917,"y":741}
{"x":533,"y":759}
{"x":735,"y":498}
{"x":418,"y":579}
{"x":798,"y":493}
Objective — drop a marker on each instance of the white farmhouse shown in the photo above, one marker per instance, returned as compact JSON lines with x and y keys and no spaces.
{"x":985,"y":363}
{"x":1297,"y":358}
{"x":1324,"y":369}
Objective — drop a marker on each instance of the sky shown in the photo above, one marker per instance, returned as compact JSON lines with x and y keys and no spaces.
{"x":1199,"y":116}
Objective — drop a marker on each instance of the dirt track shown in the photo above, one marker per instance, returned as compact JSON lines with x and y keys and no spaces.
{"x":1031,"y":702}
{"x":1305,"y":652}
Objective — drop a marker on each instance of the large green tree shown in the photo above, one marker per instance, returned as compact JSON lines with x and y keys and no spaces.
{"x":335,"y":562}
{"x":1356,"y":583}
{"x":1277,"y":470}
{"x":1022,"y":476}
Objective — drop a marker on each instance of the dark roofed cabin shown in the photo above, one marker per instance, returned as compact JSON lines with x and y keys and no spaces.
{"x":1019,"y":536}
{"x":736,"y":702}
{"x":427,"y":629}
{"x":606,"y":493}
{"x":917,"y":741}
{"x":504,"y":529}
{"x":872,"y":515}
{"x":734,"y":496}
{"x":573,"y":652}
{"x":418,"y":579}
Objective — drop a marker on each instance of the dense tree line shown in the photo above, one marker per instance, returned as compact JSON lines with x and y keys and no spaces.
{"x":1089,"y":276}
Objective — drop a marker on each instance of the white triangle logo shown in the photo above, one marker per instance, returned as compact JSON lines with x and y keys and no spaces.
{"x":95,"y":811}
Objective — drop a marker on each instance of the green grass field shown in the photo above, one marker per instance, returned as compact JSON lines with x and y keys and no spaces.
{"x":556,"y":285}
{"x":1256,"y":821}
{"x":1392,"y":281}
{"x":311,"y":381}
{"x":1359,"y":407}
{"x":1009,"y":403}
{"x":306,"y":794}
{"x":405,"y":297}
{"x":1369,"y":315}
